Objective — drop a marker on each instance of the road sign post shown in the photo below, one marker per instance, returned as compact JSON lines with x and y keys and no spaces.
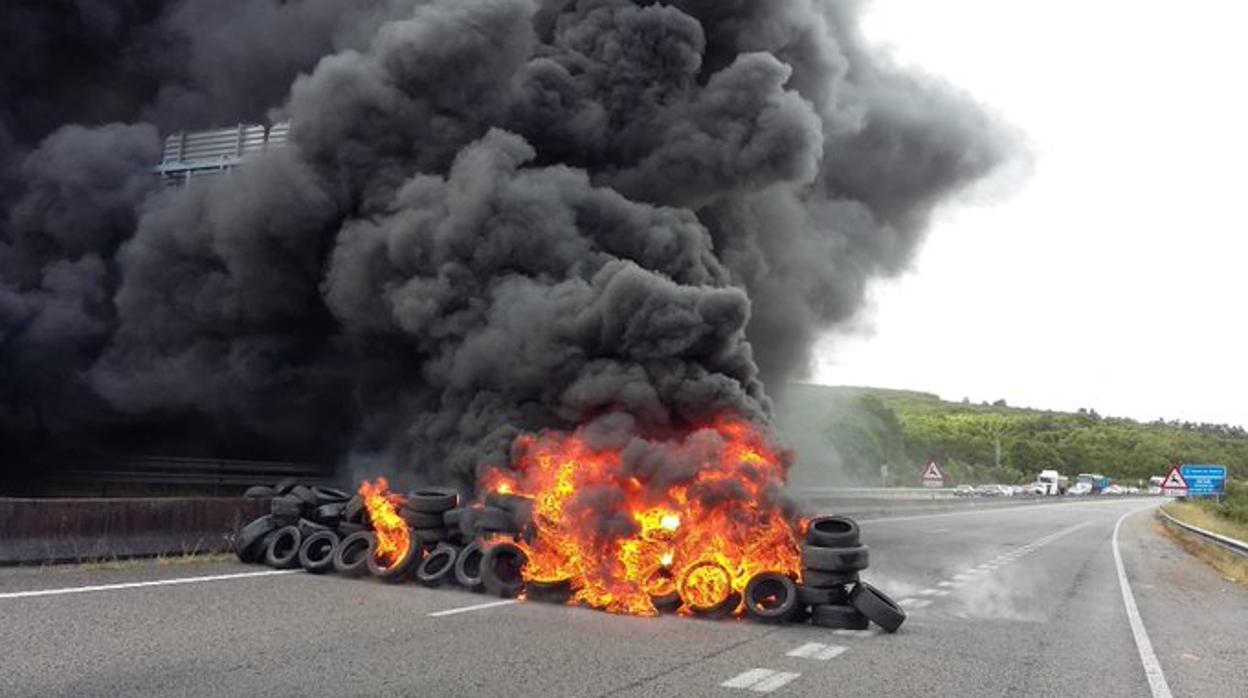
{"x":1175,"y":485}
{"x":932,"y":476}
{"x":1204,"y":480}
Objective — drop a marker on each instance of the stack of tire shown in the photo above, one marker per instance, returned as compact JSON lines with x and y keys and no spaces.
{"x":831,"y":592}
{"x":303,"y":528}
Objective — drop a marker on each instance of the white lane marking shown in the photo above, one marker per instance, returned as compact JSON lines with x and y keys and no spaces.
{"x":1152,"y":667}
{"x":469,"y":609}
{"x":928,"y":592}
{"x":845,"y":632}
{"x":775,"y":681}
{"x":942,"y":593}
{"x":747,"y":678}
{"x":906,"y":601}
{"x":915,"y":603}
{"x":963,"y":577}
{"x":817,"y":650}
{"x":140,"y":585}
{"x":946,"y":584}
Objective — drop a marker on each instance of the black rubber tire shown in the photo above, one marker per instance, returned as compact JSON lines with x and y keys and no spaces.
{"x":877,"y":606}
{"x":770,"y":597}
{"x":838,"y":617}
{"x":559,"y":592}
{"x":346,"y":528}
{"x":353,"y":553}
{"x":286,"y":508}
{"x":666,"y":603}
{"x":501,"y":568}
{"x":284,"y":486}
{"x":354,"y":510}
{"x":801,"y":614}
{"x":249,"y":543}
{"x":835,"y":559}
{"x":316,"y":554}
{"x":723,"y":609}
{"x":822,"y":596}
{"x":330,"y":495}
{"x":468,"y":566}
{"x":833,"y":532}
{"x":495,"y":520}
{"x":432,"y":536}
{"x":305,"y":495}
{"x":259,"y":492}
{"x":307,"y":527}
{"x":432,"y":500}
{"x":420,"y":519}
{"x":438,"y":567}
{"x":520,"y":508}
{"x":282,"y":552}
{"x":452,"y":518}
{"x":819,"y":578}
{"x":403,"y":569}
{"x":328,"y":513}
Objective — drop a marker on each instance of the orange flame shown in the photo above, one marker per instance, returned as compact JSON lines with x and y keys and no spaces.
{"x":704,"y":535}
{"x":393,"y":537}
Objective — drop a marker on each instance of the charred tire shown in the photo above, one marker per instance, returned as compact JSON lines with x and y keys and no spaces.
{"x":819,"y":578}
{"x":250,"y":542}
{"x":770,"y":597}
{"x":835,"y":559}
{"x":501,"y":566}
{"x":495,"y":520}
{"x":438,"y":567}
{"x":666,"y":603}
{"x":286,"y":508}
{"x":285,"y":485}
{"x":723,"y":609}
{"x":839,"y":617}
{"x":558,"y":592}
{"x":432,"y":500}
{"x":833,"y":532}
{"x":282,"y":552}
{"x":328,"y":513}
{"x":316,"y":555}
{"x":822,"y":596}
{"x":259,"y":492}
{"x":877,"y":606}
{"x":420,"y":519}
{"x":402,"y":569}
{"x":353,"y":553}
{"x":353,"y":511}
{"x":468,"y":566}
{"x":330,"y":495}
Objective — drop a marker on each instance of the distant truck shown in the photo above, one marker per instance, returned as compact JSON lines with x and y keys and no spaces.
{"x":1051,"y":483}
{"x":1093,"y":483}
{"x":1154,"y":484}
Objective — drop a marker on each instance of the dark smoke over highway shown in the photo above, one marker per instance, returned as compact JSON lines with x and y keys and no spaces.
{"x":494,"y":216}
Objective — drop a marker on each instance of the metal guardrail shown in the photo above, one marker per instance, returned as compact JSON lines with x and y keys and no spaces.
{"x":1238,"y":547}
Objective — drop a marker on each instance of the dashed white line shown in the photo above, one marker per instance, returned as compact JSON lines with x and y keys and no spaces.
{"x":140,"y":585}
{"x":469,"y":609}
{"x":760,"y":680}
{"x":1152,"y":668}
{"x":947,"y":583}
{"x":928,"y":592}
{"x":774,"y":681}
{"x":817,"y":650}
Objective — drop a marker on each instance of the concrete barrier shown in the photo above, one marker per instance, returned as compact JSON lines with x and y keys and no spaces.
{"x":63,"y":530}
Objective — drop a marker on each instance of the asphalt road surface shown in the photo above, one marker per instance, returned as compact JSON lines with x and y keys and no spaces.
{"x":1019,"y":601}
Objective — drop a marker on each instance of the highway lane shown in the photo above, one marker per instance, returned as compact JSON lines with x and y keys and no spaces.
{"x":1019,"y":601}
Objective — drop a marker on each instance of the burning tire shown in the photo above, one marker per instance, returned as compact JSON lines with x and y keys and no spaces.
{"x":838,"y":617}
{"x":827,"y":580}
{"x":822,"y":596}
{"x":495,"y":520}
{"x":835,"y":559}
{"x":353,"y":553}
{"x":666,"y":603}
{"x":250,"y":543}
{"x":432,"y":500}
{"x":558,"y":592}
{"x":877,"y":606}
{"x":500,"y":569}
{"x":770,"y":597}
{"x":282,"y":552}
{"x":723,"y":609}
{"x":833,"y":532}
{"x":438,"y":566}
{"x":706,"y":590}
{"x":401,"y":569}
{"x":259,"y":492}
{"x":316,"y":555}
{"x":468,"y":567}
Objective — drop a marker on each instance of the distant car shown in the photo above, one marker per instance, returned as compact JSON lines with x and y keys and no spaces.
{"x":965,"y":491}
{"x":1034,"y":489}
{"x":1115,"y":489}
{"x":994,"y":491}
{"x":1080,"y":489}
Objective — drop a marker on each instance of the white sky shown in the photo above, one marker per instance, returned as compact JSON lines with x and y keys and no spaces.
{"x":1112,"y":277}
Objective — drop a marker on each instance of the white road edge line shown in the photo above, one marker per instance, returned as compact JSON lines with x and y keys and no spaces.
{"x":476,"y":607}
{"x":1152,"y":667}
{"x":140,"y":585}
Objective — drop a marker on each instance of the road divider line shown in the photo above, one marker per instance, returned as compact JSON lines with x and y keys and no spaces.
{"x":470,"y":609}
{"x":774,"y":681}
{"x":747,"y":679}
{"x":817,"y":650}
{"x":1152,"y":668}
{"x":142,"y":585}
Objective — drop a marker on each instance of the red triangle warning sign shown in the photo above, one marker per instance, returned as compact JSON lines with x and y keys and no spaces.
{"x":1174,"y":481}
{"x":933,"y":472}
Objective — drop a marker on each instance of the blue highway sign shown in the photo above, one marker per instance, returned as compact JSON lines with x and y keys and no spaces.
{"x":1205,"y":480}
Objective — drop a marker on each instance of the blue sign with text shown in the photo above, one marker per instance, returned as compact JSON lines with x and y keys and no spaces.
{"x":1204,"y":480}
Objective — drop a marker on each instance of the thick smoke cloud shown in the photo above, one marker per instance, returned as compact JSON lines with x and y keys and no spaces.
{"x":494,"y":216}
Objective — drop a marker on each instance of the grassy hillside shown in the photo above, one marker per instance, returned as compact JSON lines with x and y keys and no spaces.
{"x":843,"y":435}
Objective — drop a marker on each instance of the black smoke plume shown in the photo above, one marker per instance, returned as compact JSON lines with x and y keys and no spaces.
{"x":494,"y":216}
